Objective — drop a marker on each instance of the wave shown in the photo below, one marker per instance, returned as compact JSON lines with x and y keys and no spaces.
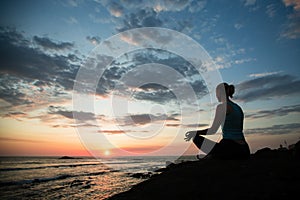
{"x":50,"y":166}
{"x":31,"y":163}
{"x":59,"y":177}
{"x":117,"y":162}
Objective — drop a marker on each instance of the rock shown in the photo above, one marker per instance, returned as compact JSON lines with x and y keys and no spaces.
{"x":170,"y":164}
{"x":161,"y":170}
{"x":141,"y":175}
{"x":268,"y":174}
{"x":263,"y":152}
{"x":67,"y":157}
{"x":297,"y":151}
{"x":76,"y":183}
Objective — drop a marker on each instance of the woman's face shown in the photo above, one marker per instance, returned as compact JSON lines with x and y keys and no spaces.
{"x":220,"y":94}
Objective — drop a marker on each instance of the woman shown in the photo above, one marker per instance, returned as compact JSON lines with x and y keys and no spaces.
{"x":230,"y":116}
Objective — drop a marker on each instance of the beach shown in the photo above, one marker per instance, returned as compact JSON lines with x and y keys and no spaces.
{"x":77,"y":178}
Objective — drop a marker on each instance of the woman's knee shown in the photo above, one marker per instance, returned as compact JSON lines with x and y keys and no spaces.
{"x":198,"y":140}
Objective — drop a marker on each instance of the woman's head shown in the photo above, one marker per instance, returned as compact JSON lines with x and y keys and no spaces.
{"x":224,"y":91}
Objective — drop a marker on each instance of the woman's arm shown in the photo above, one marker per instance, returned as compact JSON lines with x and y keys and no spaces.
{"x":191,"y":134}
{"x":198,"y":132}
{"x":218,"y":120}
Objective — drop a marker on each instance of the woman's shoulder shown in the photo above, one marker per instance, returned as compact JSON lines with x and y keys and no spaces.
{"x":233,"y":104}
{"x":222,"y":104}
{"x":222,"y":107}
{"x":230,"y":105}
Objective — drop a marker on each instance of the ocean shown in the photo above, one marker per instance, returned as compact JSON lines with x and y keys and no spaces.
{"x":80,"y":178}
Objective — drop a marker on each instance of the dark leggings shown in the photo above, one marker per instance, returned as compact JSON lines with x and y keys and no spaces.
{"x":225,"y":149}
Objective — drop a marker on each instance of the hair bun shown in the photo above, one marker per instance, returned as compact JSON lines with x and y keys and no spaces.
{"x":231,"y":90}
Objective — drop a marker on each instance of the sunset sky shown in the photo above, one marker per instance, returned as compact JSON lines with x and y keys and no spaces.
{"x":254,"y":44}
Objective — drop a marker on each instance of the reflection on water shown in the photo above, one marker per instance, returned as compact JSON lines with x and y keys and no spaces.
{"x":52,"y":178}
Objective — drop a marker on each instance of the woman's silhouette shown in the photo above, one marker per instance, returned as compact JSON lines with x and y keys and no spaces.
{"x":230,"y":117}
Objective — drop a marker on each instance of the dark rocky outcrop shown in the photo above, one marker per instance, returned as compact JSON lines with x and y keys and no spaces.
{"x":66,"y":157}
{"x":267,"y":174}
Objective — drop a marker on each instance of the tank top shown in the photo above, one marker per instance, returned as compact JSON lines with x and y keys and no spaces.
{"x":233,"y":125}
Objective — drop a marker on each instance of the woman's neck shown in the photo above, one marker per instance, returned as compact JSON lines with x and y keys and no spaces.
{"x":227,"y":100}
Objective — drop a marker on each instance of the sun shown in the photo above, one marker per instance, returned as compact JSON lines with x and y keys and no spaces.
{"x":106,"y":152}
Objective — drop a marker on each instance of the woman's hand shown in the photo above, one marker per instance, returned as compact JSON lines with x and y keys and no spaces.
{"x":189,"y":135}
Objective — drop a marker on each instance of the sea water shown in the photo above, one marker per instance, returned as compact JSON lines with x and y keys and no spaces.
{"x":80,"y":178}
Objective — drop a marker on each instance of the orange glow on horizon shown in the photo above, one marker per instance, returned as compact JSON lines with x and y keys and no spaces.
{"x":22,"y":138}
{"x":106,"y":152}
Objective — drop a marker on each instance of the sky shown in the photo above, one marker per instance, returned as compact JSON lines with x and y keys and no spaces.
{"x":146,"y":98}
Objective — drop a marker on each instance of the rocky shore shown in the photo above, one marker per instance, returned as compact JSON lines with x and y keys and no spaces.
{"x":268,"y":174}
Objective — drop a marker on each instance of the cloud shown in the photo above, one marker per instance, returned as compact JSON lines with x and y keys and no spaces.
{"x":264,"y":74}
{"x":291,"y":29}
{"x":188,"y":125}
{"x":48,"y":44}
{"x":276,"y":129}
{"x":195,"y":125}
{"x":252,"y":5}
{"x":80,"y":115}
{"x":95,"y":40}
{"x":17,"y":115}
{"x":177,"y":5}
{"x":227,"y":55}
{"x":28,"y":71}
{"x":165,"y":95}
{"x":238,"y":26}
{"x":24,"y":67}
{"x":10,"y":92}
{"x":112,"y":132}
{"x":152,"y":82}
{"x":161,"y":5}
{"x":243,"y":60}
{"x":268,"y":87}
{"x":142,"y":149}
{"x":249,"y":2}
{"x":196,"y":6}
{"x":83,"y":124}
{"x":19,"y":59}
{"x":271,"y":10}
{"x":71,"y":20}
{"x":68,"y":125}
{"x":294,"y":3}
{"x":116,"y":9}
{"x":72,"y":3}
{"x":100,"y":19}
{"x":149,"y":35}
{"x":283,"y":111}
{"x":142,"y":13}
{"x":173,"y":125}
{"x":142,"y":119}
{"x":8,"y":139}
{"x":140,"y":18}
{"x":227,"y":60}
{"x":116,"y":132}
{"x":60,"y":117}
{"x":184,"y":25}
{"x":159,"y":96}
